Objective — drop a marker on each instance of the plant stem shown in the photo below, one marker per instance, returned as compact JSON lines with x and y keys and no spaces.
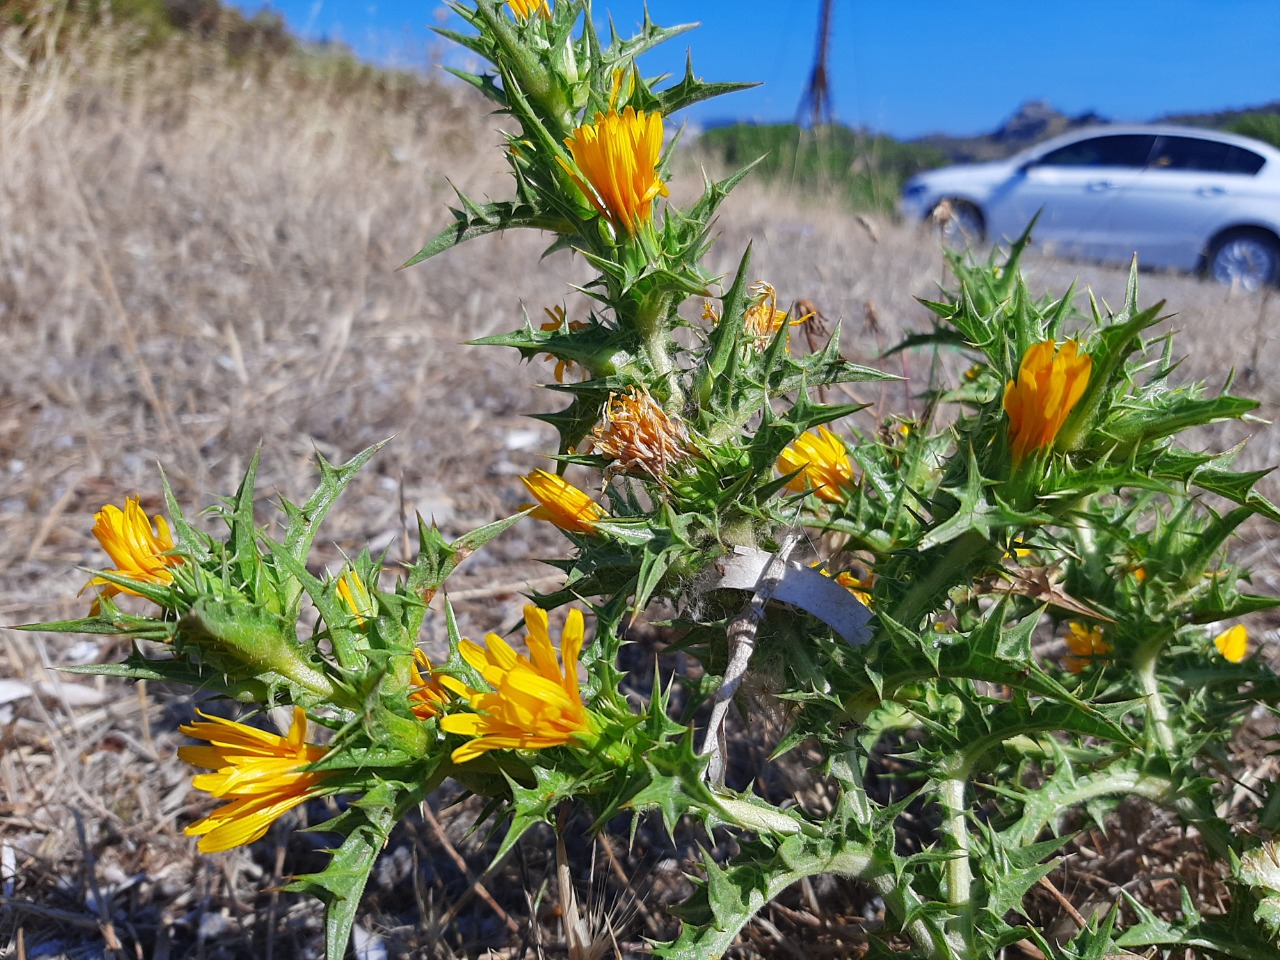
{"x":1144,"y":664}
{"x":651,"y":323}
{"x":899,"y":899}
{"x":902,"y":901}
{"x":959,"y":870}
{"x":1192,"y":809}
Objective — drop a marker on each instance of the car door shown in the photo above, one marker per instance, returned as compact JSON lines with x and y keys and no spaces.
{"x":1073,"y":187}
{"x":1167,"y":214}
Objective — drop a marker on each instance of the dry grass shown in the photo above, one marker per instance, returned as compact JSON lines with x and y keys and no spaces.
{"x":199,"y":260}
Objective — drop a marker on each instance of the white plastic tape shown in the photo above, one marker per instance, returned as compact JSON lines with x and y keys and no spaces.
{"x":800,"y":586}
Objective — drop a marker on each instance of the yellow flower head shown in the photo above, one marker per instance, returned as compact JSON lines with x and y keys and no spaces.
{"x":355,"y":594}
{"x":262,"y":774}
{"x":638,"y":435}
{"x":534,"y":704}
{"x":429,"y":693}
{"x":1233,"y":643}
{"x":763,"y":319}
{"x":524,"y":9}
{"x":617,"y":159}
{"x":561,"y":503}
{"x":138,"y":550}
{"x":555,"y":321}
{"x":1085,"y":644}
{"x":1051,"y":381}
{"x":860,"y":587}
{"x":823,"y":463}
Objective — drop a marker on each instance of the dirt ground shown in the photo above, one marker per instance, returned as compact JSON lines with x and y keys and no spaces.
{"x":198,"y":262}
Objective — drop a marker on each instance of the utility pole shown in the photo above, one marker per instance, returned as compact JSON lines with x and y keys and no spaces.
{"x":816,"y":101}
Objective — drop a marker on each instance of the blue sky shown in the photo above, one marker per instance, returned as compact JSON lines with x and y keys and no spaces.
{"x":906,"y":68}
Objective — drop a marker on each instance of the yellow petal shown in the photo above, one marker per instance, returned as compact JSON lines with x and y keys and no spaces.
{"x":538,"y":640}
{"x":1233,"y":643}
{"x":571,"y":650}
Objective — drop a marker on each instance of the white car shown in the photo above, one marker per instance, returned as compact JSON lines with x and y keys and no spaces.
{"x":1180,"y":197}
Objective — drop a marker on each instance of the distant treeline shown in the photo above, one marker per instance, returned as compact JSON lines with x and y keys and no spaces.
{"x":859,"y":170}
{"x":1260,"y":126}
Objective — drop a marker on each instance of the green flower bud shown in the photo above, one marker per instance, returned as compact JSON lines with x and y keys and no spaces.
{"x":243,"y":639}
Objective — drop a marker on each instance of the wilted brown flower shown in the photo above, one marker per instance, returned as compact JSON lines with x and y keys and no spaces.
{"x":639,"y":436}
{"x":763,"y":319}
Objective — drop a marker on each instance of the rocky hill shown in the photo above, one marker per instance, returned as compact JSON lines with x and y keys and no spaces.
{"x":1032,"y":122}
{"x":1038,"y":120}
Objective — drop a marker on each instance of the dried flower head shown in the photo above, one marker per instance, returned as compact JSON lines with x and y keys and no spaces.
{"x":1086,"y":644}
{"x":1233,"y":643}
{"x":639,"y":436}
{"x":823,"y":463}
{"x":1051,"y":381}
{"x":534,"y":703}
{"x":139,"y":551}
{"x":262,"y":774}
{"x":561,"y":503}
{"x":763,"y":319}
{"x":617,"y":165}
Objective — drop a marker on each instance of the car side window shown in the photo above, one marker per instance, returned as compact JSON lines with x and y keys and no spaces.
{"x":1208,"y":156}
{"x":1113,"y":150}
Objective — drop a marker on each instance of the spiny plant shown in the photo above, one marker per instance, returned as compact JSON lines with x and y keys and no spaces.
{"x":898,"y":589}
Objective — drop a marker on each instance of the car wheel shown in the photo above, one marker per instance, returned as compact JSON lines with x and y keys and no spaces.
{"x":958,"y":222}
{"x":1249,"y":259}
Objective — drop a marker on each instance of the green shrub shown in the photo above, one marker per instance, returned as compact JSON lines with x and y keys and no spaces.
{"x":1260,"y":126}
